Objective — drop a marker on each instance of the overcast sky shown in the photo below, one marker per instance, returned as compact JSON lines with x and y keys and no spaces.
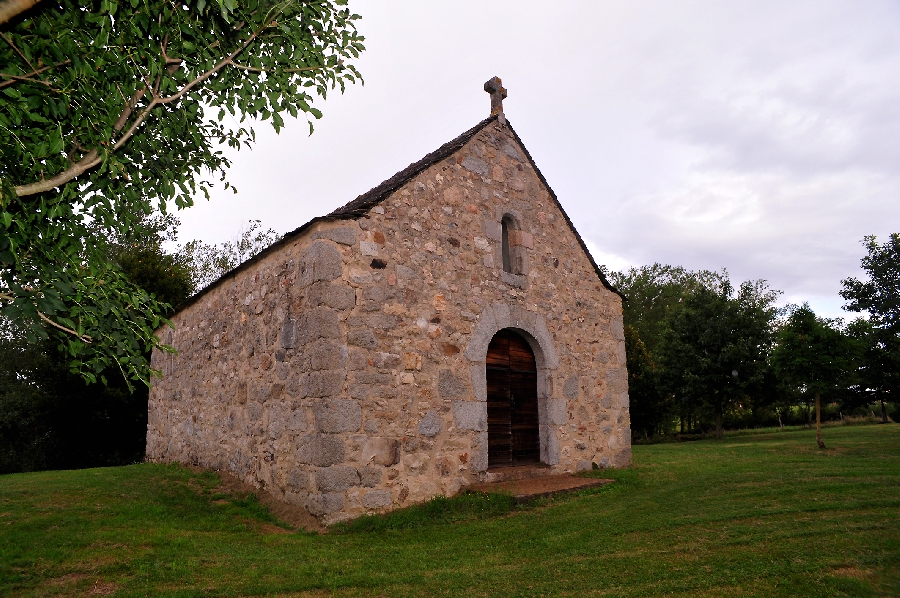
{"x":762,"y":137}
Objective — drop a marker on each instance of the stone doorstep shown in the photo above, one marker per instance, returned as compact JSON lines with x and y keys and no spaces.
{"x":516,"y":472}
{"x":527,"y":489}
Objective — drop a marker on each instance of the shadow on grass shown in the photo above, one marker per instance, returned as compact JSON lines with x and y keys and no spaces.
{"x":624,"y":477}
{"x":472,"y":506}
{"x":466,"y":506}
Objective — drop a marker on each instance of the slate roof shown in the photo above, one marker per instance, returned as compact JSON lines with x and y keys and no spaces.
{"x":362,"y":204}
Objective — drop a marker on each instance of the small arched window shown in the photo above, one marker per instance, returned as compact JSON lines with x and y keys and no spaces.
{"x":505,"y":226}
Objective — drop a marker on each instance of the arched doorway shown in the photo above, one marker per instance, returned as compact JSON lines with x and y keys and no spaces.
{"x":512,"y":406}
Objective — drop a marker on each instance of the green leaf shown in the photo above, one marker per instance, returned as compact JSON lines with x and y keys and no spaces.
{"x":102,"y":39}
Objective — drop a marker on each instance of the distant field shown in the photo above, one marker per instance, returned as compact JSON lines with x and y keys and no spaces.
{"x":761,"y":515}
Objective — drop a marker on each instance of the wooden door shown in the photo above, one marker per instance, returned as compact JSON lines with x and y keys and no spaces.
{"x":511,"y":401}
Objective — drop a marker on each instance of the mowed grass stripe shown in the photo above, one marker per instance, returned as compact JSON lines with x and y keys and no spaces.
{"x":763,"y":515}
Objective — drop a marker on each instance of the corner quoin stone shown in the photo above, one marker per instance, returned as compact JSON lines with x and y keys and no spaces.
{"x":298,"y":480}
{"x":338,"y":415}
{"x":335,"y":295}
{"x":336,"y":478}
{"x":324,"y":504}
{"x":322,"y":384}
{"x":377,"y":499}
{"x":322,"y":261}
{"x":319,"y":322}
{"x":344,"y":235}
{"x":321,"y":450}
{"x":370,"y":476}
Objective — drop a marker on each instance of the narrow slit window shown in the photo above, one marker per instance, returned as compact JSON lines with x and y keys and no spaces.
{"x":504,"y":231}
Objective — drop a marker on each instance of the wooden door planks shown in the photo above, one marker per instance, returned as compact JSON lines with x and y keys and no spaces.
{"x":511,"y":375}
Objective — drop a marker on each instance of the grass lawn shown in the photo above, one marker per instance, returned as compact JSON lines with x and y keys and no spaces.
{"x":762,"y":515}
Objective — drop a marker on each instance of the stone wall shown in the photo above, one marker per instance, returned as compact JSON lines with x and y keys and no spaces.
{"x":344,"y":372}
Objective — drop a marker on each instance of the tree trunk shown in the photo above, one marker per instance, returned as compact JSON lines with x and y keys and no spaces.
{"x":720,"y":428}
{"x":819,"y":424}
{"x":883,"y":412}
{"x":808,"y":415}
{"x":780,"y":424}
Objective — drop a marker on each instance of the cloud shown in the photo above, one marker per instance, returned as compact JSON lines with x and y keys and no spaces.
{"x":782,"y":146}
{"x":610,"y":260}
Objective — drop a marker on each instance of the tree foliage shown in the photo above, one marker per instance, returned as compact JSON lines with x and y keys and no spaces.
{"x":813,"y":356}
{"x":879,"y":297}
{"x":650,"y":406}
{"x":715,"y":347}
{"x":687,"y":333}
{"x":142,"y":258}
{"x":112,"y":110}
{"x":52,"y":419}
{"x":209,"y":261}
{"x":654,"y":292}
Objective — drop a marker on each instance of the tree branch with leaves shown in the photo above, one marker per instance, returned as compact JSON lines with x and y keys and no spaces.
{"x":116,"y":110}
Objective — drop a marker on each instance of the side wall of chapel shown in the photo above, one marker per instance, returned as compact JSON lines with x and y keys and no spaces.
{"x":344,"y":372}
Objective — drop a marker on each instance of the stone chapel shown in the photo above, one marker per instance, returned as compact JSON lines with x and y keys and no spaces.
{"x":446,"y":328}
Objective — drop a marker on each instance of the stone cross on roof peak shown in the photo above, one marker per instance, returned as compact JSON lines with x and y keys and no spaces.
{"x":494,"y":87}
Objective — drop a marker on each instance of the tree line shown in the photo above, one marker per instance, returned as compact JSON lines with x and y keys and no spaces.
{"x":704,"y":354}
